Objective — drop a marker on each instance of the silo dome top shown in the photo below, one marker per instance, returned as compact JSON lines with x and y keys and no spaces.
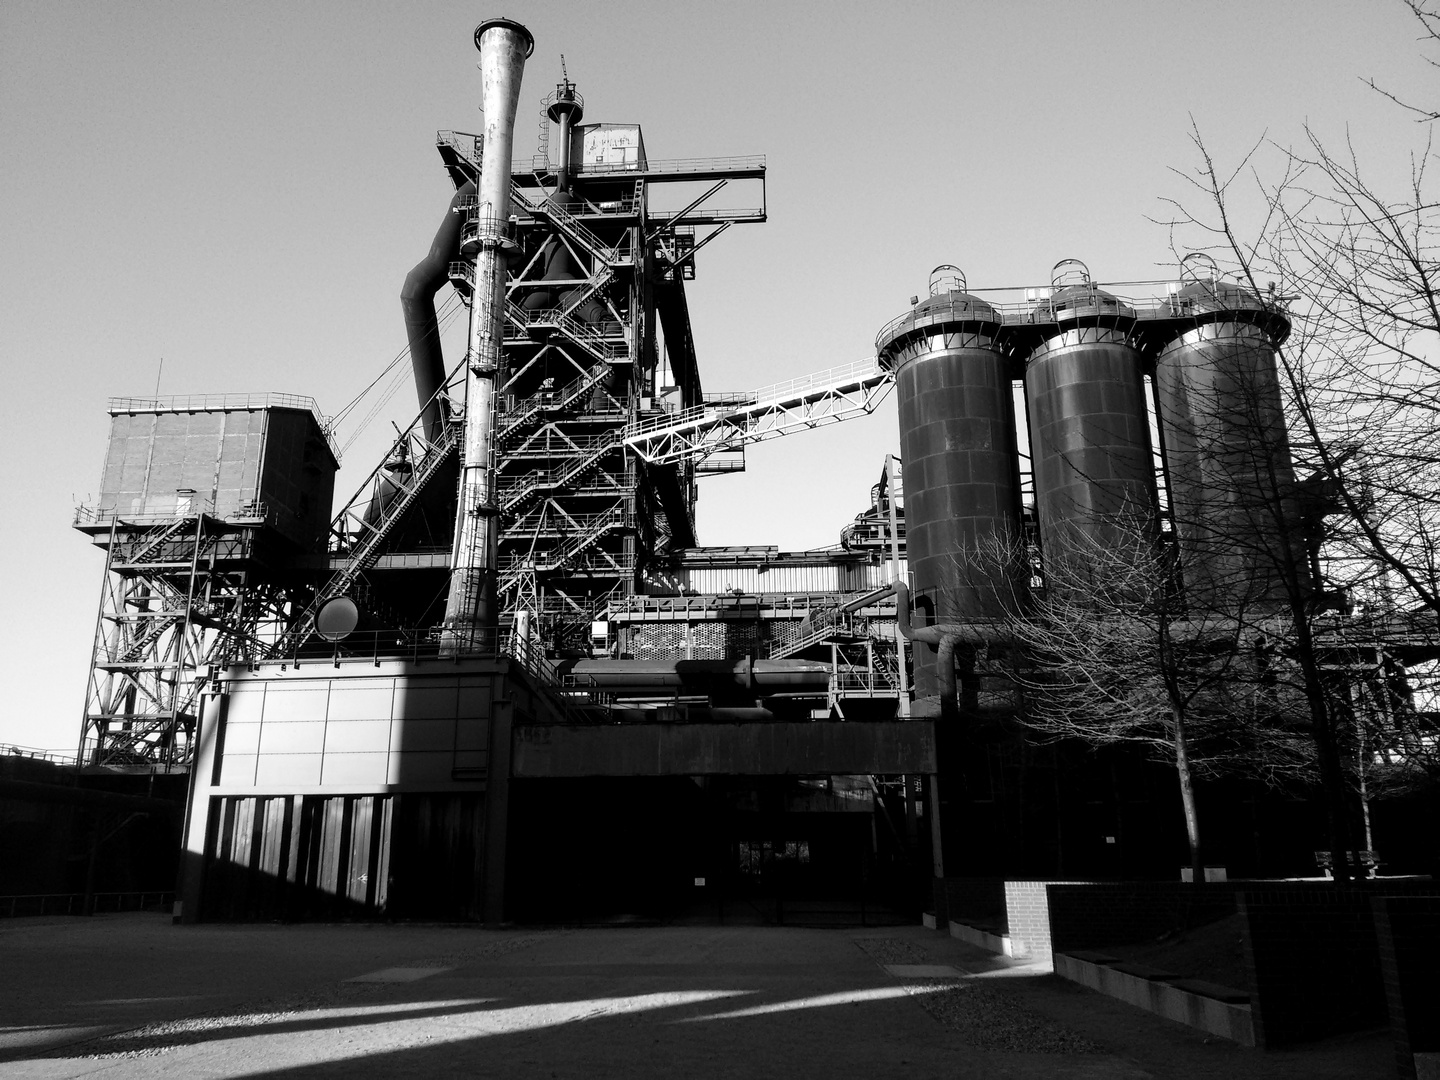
{"x":1206,"y":297}
{"x":1202,"y":289}
{"x":947,"y":306}
{"x":956,"y":305}
{"x":1075,"y":296}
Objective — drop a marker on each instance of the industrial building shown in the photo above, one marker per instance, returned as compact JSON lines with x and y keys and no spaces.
{"x":504,"y":680}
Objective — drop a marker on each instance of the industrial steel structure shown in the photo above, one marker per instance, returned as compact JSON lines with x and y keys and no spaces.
{"x":508,"y":639}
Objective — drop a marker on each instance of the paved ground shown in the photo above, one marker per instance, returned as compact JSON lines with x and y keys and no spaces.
{"x":131,"y":996}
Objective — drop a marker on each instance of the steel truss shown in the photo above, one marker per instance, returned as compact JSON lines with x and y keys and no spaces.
{"x":177,"y":601}
{"x":826,"y":397}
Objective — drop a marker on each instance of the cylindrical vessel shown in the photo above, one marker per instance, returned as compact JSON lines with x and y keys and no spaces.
{"x":957,"y":440}
{"x":471,"y":616}
{"x":1227,"y":453}
{"x":1089,"y":428}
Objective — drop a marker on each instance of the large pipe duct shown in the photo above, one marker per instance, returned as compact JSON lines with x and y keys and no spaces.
{"x":700,"y":676}
{"x":471,"y":614}
{"x":417,"y":301}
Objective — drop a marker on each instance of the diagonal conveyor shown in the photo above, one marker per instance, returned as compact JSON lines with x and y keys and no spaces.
{"x":825,"y":397}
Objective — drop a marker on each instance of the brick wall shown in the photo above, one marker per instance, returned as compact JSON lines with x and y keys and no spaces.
{"x":1027,"y":907}
{"x":708,"y":640}
{"x":1407,"y":930}
{"x":1126,"y":912}
{"x":1019,"y":909}
{"x":1313,"y":958}
{"x":976,"y":902}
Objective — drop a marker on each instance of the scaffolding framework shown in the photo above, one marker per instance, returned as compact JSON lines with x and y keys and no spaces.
{"x":178,"y":600}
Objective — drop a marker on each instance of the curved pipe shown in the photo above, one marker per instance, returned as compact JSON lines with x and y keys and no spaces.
{"x":944,"y":636}
{"x":417,"y":301}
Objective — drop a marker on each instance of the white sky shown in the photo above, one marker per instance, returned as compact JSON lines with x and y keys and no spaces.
{"x":241,"y":189}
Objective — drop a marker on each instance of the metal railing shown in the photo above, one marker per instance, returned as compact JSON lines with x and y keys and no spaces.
{"x":470,"y":147}
{"x":744,"y":162}
{"x":223,"y":403}
{"x":534,"y":405}
{"x":596,"y":338}
{"x":819,"y":382}
{"x":514,"y":490}
{"x":56,"y":757}
{"x":151,"y":514}
{"x":99,"y":903}
{"x":569,"y":224}
{"x":1045,"y":307}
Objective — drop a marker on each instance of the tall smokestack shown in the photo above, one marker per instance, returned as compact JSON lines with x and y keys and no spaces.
{"x":471,"y":613}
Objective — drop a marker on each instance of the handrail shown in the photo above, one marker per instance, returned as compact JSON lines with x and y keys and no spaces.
{"x":526,"y":483}
{"x":553,"y":399}
{"x":468,"y":146}
{"x":1045,"y":308}
{"x":358,"y":557}
{"x":559,"y":216}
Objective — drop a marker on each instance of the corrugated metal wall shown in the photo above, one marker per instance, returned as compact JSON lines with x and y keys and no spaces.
{"x":296,"y":857}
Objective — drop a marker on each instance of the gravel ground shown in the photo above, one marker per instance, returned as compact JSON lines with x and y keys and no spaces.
{"x":986,"y":1017}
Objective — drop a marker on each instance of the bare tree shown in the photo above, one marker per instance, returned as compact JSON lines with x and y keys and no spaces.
{"x":1354,"y":248}
{"x":1106,"y":653}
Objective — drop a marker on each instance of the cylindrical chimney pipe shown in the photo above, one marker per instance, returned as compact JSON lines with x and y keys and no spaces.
{"x":566,"y":110}
{"x":471,"y":613}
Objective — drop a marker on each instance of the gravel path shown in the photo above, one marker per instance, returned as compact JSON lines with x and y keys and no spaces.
{"x":985,"y":1016}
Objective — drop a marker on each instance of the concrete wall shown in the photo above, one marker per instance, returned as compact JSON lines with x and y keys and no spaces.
{"x":1408,"y":930}
{"x":817,"y":748}
{"x":1314,"y":959}
{"x":317,"y":788}
{"x":359,"y":727}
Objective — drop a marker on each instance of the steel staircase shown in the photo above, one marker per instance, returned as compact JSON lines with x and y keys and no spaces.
{"x":563,"y":398}
{"x":374,"y":533}
{"x":523,"y":487}
{"x":558,"y":557}
{"x":563,"y":221}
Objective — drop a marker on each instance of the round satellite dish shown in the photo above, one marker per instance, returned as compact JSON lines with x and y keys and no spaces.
{"x":337,"y":618}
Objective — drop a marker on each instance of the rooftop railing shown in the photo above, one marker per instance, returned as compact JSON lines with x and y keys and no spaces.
{"x":226,"y":403}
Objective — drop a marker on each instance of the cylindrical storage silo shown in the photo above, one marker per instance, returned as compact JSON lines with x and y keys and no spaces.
{"x":1089,"y":428}
{"x":957,"y":439}
{"x":1227,"y":453}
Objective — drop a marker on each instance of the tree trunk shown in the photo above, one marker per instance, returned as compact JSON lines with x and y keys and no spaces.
{"x":1327,"y":752}
{"x":1187,"y":800}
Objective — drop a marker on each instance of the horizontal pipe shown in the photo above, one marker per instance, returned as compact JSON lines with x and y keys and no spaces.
{"x":698,"y":674}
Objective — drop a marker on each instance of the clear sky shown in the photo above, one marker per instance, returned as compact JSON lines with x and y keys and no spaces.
{"x":241,"y":188}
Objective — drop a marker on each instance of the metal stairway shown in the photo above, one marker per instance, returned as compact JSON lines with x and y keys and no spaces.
{"x":359,"y":555}
{"x":531,"y":483}
{"x":557,"y":558}
{"x":563,"y":398}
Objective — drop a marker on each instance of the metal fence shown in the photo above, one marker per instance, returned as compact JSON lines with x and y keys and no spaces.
{"x":100,"y":903}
